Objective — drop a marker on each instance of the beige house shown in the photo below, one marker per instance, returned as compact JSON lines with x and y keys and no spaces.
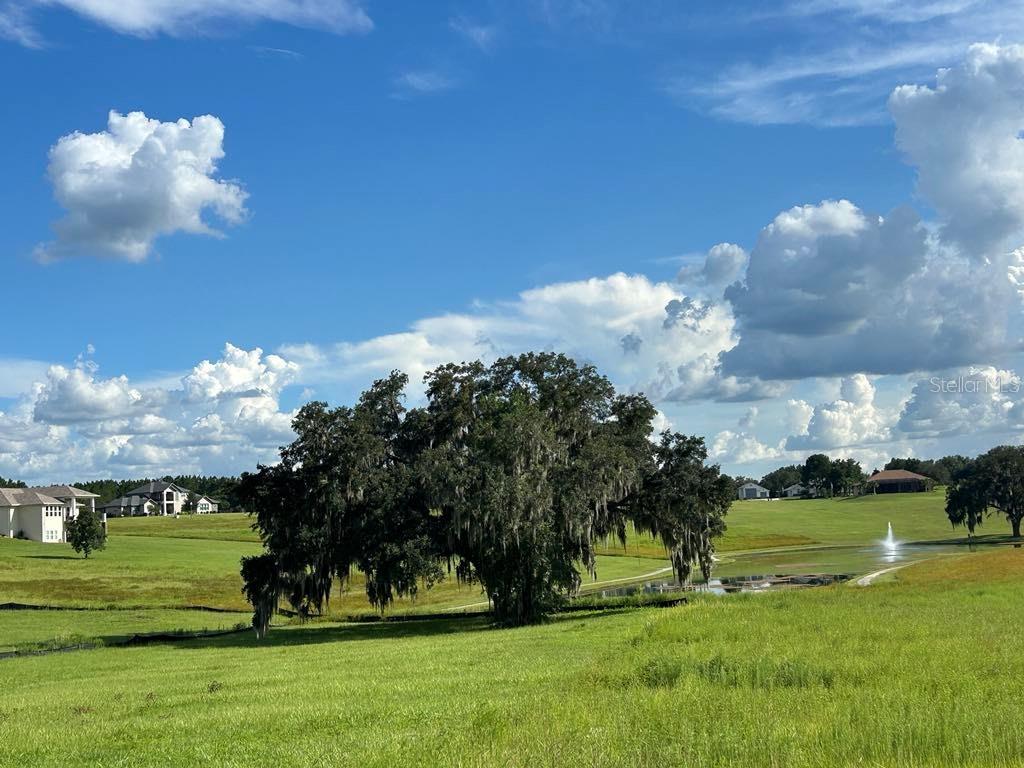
{"x":72,"y":498}
{"x":41,"y":514}
{"x":28,"y":514}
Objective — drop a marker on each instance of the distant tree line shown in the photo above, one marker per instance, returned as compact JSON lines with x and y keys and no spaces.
{"x":841,"y":477}
{"x":5,"y":483}
{"x":225,"y":490}
{"x":942,"y":471}
{"x":509,"y":476}
{"x":822,"y":475}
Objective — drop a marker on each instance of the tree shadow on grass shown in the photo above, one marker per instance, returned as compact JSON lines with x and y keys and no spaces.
{"x":54,"y":557}
{"x":316,"y":632}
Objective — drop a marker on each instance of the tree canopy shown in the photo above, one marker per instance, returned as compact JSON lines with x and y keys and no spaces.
{"x":780,"y":479}
{"x":509,"y":475}
{"x":992,"y":482}
{"x":86,"y":533}
{"x":941,"y":470}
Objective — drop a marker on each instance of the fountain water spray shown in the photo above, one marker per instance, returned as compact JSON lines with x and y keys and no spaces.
{"x":890,"y":539}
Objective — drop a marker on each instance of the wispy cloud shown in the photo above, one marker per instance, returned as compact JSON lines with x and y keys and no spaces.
{"x":15,"y":25}
{"x":848,"y":56}
{"x":183,"y":17}
{"x":282,"y":53}
{"x":480,"y":35}
{"x":422,"y":81}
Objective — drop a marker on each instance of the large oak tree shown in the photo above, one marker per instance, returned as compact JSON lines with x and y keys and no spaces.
{"x":511,"y":473}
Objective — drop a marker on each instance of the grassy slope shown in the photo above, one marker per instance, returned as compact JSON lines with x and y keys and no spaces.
{"x":755,"y":525}
{"x":914,"y":672}
{"x":155,"y":569}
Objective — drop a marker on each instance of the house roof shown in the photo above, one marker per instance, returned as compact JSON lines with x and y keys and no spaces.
{"x":753,"y":485}
{"x":157,"y":486}
{"x":26,"y":497}
{"x":65,"y":492}
{"x":794,"y":485}
{"x":895,"y":476}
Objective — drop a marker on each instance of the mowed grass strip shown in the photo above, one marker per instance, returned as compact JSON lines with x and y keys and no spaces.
{"x":132,"y":572}
{"x":21,"y":630}
{"x":891,"y":675}
{"x":227,"y":526}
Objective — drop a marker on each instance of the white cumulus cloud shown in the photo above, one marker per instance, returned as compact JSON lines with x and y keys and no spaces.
{"x":964,"y":136}
{"x":852,"y":419}
{"x":124,"y":187}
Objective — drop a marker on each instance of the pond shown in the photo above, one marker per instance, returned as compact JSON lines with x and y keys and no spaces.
{"x":795,"y":567}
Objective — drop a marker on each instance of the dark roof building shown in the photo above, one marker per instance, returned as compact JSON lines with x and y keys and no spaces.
{"x":155,"y":488}
{"x":899,"y":481}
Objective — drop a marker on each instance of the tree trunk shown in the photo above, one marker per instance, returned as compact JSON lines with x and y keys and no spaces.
{"x":1015,"y":522}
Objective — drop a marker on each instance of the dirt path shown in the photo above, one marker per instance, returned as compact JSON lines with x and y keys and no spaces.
{"x":868,"y":578}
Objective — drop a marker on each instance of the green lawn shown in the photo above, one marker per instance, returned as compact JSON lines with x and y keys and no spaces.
{"x":154,"y":565}
{"x":155,"y":570}
{"x":24,"y":629}
{"x":921,"y":671}
{"x":753,"y":525}
{"x":230,"y":526}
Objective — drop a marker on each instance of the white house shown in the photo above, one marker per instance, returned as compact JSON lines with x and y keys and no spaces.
{"x":158,"y":498}
{"x":796,"y":489}
{"x":72,"y":498}
{"x":753,"y":491}
{"x":28,"y":514}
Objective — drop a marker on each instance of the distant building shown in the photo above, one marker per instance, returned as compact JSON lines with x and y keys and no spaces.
{"x":898,"y":481}
{"x":794,"y":490}
{"x":41,"y":514}
{"x":753,"y":491}
{"x":130,"y":506}
{"x":159,"y":498}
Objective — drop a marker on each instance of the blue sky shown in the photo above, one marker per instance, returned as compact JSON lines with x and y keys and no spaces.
{"x":388,"y":165}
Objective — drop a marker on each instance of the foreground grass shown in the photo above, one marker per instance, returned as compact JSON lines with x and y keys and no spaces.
{"x":922,"y":671}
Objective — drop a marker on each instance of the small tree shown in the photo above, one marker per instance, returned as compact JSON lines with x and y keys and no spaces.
{"x":86,"y":533}
{"x":188,"y":506}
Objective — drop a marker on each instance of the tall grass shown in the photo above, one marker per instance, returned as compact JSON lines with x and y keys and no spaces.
{"x":915,"y":672}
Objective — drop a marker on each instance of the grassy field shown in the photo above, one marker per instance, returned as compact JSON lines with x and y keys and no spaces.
{"x":155,"y":573}
{"x":923,"y":670}
{"x":755,"y":525}
{"x":919,"y":669}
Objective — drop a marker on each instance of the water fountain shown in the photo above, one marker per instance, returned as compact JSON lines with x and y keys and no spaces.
{"x":890,"y":540}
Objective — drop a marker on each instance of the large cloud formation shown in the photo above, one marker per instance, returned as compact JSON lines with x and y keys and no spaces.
{"x":831,"y":290}
{"x":139,"y":179}
{"x":964,"y":137}
{"x":647,"y":336}
{"x":224,"y":416}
